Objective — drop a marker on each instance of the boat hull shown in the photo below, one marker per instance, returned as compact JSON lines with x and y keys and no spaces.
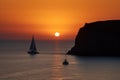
{"x":29,"y":52}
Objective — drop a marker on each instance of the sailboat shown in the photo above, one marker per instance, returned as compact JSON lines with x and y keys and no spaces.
{"x":32,"y":49}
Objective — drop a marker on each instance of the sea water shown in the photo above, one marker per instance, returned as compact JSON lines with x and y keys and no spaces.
{"x":16,"y":64}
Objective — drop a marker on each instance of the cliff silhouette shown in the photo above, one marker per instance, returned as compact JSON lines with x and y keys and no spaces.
{"x":101,"y":38}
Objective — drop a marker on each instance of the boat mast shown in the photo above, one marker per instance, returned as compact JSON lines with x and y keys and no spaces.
{"x":33,"y":46}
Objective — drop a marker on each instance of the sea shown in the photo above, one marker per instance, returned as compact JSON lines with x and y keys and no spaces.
{"x":17,"y":64}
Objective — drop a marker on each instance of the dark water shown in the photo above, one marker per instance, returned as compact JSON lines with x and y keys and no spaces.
{"x":16,"y":64}
{"x":42,"y":46}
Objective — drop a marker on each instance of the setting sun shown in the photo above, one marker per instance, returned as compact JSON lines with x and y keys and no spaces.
{"x":43,"y":18}
{"x":57,"y":34}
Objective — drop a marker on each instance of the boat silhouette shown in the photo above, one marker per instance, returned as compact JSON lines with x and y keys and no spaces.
{"x":65,"y":62}
{"x":33,"y":49}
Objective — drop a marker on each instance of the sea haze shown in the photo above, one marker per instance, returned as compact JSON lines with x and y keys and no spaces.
{"x":43,"y":46}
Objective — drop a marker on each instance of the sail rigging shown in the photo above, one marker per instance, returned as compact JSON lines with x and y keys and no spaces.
{"x":32,"y":49}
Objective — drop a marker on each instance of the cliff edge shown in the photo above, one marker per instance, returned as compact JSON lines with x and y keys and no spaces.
{"x":101,"y":38}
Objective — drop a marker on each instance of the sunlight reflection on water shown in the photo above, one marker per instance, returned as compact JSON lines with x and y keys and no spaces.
{"x":47,"y":66}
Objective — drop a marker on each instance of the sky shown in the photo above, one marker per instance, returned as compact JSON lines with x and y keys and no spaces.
{"x":20,"y":19}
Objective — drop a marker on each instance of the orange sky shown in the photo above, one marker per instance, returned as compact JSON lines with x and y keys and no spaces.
{"x":20,"y":19}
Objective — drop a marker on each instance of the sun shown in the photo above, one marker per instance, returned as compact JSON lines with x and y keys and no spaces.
{"x":57,"y":34}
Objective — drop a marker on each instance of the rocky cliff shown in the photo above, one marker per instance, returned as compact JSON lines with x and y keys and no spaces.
{"x":101,"y":38}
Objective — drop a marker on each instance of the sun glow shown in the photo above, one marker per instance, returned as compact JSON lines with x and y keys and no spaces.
{"x":57,"y":34}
